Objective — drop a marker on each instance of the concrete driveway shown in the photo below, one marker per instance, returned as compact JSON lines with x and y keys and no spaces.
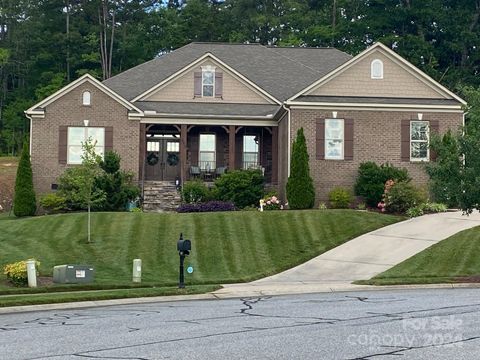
{"x":360,"y":258}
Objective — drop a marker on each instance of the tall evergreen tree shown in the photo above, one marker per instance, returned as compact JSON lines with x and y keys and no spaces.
{"x":300,"y":190}
{"x":24,"y":203}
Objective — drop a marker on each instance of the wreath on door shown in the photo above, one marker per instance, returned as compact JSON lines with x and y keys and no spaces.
{"x":172,"y":159}
{"x":152,"y":159}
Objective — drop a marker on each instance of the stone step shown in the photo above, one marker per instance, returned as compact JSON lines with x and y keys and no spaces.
{"x":160,"y":196}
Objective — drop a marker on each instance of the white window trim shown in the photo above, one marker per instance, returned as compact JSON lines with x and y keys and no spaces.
{"x":257,"y":153}
{"x":84,"y":139}
{"x":381,"y":69}
{"x":427,"y":158}
{"x":211,"y":69}
{"x":89,"y":94}
{"x":342,"y":156}
{"x":208,"y":152}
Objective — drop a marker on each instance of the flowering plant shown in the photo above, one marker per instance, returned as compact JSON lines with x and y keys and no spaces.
{"x":17,"y":272}
{"x":383,"y":204}
{"x":271,"y":203}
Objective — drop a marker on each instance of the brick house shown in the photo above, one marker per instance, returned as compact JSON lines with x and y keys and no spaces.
{"x":207,"y":107}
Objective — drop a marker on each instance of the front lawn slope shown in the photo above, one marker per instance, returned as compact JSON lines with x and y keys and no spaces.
{"x":456,"y":259}
{"x":226,"y":247}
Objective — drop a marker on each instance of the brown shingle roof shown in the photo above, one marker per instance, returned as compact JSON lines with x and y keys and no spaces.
{"x":209,"y":109}
{"x":282,"y":72}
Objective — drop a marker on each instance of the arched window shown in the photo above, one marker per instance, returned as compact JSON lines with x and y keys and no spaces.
{"x":377,"y":69}
{"x":86,"y":97}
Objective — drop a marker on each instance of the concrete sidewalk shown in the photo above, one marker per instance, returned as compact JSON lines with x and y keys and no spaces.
{"x":360,"y":258}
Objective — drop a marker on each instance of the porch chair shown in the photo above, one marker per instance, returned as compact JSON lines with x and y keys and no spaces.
{"x":219,"y":171}
{"x":194,"y":172}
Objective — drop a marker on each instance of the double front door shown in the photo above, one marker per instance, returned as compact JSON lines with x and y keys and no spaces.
{"x":162,"y":159}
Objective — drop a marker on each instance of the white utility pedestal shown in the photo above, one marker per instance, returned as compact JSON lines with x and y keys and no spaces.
{"x":137,"y":270}
{"x":31,"y":273}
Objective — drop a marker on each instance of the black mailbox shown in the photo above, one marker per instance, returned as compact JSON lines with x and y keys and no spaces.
{"x":184,"y":245}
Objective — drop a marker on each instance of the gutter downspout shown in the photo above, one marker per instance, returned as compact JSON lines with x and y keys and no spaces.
{"x":289,"y":139}
{"x":30,"y":135}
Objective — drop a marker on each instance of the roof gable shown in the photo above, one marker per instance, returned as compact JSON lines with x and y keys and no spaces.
{"x":401,"y":79}
{"x":39,"y":107}
{"x":179,"y":86}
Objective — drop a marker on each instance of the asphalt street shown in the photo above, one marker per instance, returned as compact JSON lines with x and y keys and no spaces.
{"x":407,"y":324}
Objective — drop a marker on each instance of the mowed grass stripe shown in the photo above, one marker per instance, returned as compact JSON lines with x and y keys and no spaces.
{"x":227,"y":247}
{"x":447,"y":261}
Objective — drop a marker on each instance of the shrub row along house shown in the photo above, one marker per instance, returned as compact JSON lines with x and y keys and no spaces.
{"x":208,"y":107}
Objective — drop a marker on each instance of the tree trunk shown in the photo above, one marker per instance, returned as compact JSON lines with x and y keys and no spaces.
{"x":88,"y":226}
{"x":68,"y":38}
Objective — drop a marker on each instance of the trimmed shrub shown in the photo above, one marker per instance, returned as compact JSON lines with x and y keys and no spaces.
{"x":431,"y":208}
{"x":194,"y":191}
{"x":242,"y":187}
{"x":209,"y":206}
{"x":445,"y":172}
{"x":17,"y":272}
{"x":403,"y":196}
{"x":339,"y":198}
{"x":117,"y":185}
{"x":112,"y":187}
{"x":371,"y":180}
{"x":53,"y":203}
{"x":24,"y":203}
{"x":300,"y":189}
{"x":415,"y":211}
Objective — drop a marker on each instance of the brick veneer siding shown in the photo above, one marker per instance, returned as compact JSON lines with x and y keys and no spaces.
{"x":376,"y":138}
{"x":282,"y":156}
{"x":69,"y":111}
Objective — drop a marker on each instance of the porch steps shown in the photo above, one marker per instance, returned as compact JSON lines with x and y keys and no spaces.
{"x":160,"y":196}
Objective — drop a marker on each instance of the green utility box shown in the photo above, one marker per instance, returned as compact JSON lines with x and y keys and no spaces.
{"x":73,"y":274}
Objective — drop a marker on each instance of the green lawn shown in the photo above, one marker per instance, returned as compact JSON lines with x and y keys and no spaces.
{"x":226,"y":247}
{"x":451,"y":260}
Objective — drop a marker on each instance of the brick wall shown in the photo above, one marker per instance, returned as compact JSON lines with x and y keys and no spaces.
{"x":69,"y":111}
{"x":376,"y":138}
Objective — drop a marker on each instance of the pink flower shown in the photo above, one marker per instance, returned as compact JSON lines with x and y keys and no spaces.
{"x":269,"y":202}
{"x":274,"y":199}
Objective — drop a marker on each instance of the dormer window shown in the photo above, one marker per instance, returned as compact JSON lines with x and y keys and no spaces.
{"x":377,"y":69}
{"x":86,"y":97}
{"x":208,"y":81}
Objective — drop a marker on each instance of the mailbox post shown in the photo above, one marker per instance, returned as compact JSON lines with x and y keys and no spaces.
{"x":183,"y":247}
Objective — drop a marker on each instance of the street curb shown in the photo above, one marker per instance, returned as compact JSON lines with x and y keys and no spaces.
{"x":282,"y":291}
{"x":312,"y":288}
{"x":101,"y":303}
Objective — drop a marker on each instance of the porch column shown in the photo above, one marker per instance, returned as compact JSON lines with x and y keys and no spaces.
{"x":183,"y":153}
{"x":231,"y":147}
{"x":142,"y":157}
{"x":142,"y":151}
{"x":274,"y":155}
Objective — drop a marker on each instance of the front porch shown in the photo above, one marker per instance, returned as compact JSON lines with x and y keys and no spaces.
{"x":178,"y":153}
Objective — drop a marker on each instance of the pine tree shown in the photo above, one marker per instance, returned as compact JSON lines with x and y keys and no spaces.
{"x":300,"y":190}
{"x":24,"y":203}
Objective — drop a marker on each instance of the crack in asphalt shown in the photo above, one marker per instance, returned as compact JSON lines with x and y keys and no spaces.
{"x":409,"y":348}
{"x":123,"y":347}
{"x":248,"y":308}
